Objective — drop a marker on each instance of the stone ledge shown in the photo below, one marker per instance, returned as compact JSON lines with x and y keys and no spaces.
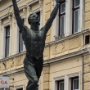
{"x":66,"y":56}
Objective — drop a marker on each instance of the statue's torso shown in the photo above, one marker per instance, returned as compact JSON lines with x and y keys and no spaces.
{"x":35,"y":42}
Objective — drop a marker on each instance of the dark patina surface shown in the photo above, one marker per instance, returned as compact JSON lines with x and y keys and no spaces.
{"x":34,"y":40}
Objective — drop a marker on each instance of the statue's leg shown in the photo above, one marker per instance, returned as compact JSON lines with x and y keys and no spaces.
{"x":31,"y":75}
{"x":39,"y":67}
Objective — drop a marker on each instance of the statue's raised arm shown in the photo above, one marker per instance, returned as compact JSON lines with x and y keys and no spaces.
{"x":52,"y":17}
{"x":17,"y":15}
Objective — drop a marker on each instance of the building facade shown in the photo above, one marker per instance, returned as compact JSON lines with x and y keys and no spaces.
{"x":66,"y":55}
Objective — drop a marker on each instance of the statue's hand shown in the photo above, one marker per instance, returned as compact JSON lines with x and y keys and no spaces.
{"x":58,"y":1}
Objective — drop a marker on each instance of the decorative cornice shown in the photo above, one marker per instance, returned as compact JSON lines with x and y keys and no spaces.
{"x":32,"y":2}
{"x":9,"y":17}
{"x":28,"y":8}
{"x":50,"y":61}
{"x":0,"y":21}
{"x":8,"y":6}
{"x":51,"y":43}
{"x":7,"y":73}
{"x":68,"y":37}
{"x":20,"y":8}
{"x":13,"y":56}
{"x":36,"y":10}
{"x":66,"y":56}
{"x":8,"y":14}
{"x":41,"y":4}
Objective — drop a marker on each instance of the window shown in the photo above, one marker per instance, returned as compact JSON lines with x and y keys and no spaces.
{"x":5,"y":89}
{"x":38,"y":13}
{"x":87,"y":39}
{"x":75,"y":83}
{"x":19,"y":88}
{"x":7,"y":41}
{"x":67,"y":82}
{"x":20,"y":41}
{"x":60,"y":85}
{"x":76,"y":16}
{"x":17,"y":0}
{"x":69,"y":19}
{"x":62,"y":18}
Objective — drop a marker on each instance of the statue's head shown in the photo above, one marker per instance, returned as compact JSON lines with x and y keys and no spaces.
{"x":33,"y":18}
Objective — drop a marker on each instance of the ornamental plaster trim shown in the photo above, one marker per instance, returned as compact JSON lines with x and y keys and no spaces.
{"x":32,"y":2}
{"x":9,"y":6}
{"x":50,"y":61}
{"x":68,"y":37}
{"x":18,"y":87}
{"x":85,"y":49}
{"x":66,"y":56}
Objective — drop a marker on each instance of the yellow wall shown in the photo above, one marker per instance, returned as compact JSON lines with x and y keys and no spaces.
{"x":53,"y":50}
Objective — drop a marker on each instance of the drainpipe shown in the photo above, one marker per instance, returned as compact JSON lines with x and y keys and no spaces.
{"x":82,"y":72}
{"x":83,"y":46}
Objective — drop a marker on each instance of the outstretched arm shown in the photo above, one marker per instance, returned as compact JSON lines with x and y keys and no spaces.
{"x":18,"y":18}
{"x":52,"y":17}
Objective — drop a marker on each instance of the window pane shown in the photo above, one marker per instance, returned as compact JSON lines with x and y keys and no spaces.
{"x":1,"y":88}
{"x":7,"y":41}
{"x":7,"y":47}
{"x":8,"y":31}
{"x":20,"y":42}
{"x":76,"y":20}
{"x":76,"y":3}
{"x":19,"y":89}
{"x":62,"y":18}
{"x":38,"y":13}
{"x":62,"y":8}
{"x":61,"y":85}
{"x":62,"y":24}
{"x":87,"y":39}
{"x":76,"y":83}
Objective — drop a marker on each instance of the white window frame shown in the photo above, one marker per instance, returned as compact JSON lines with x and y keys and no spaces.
{"x":69,"y":76}
{"x":55,"y":79}
{"x":16,"y":50}
{"x":6,"y":40}
{"x":23,"y":17}
{"x":3,"y":40}
{"x":19,"y":1}
{"x":73,"y":86}
{"x":73,"y":16}
{"x":18,"y":87}
{"x":68,"y":28}
{"x":0,"y":39}
{"x":67,"y":80}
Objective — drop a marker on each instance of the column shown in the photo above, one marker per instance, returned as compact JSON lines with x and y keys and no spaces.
{"x":0,"y":36}
{"x":25,"y":18}
{"x":55,"y":26}
{"x":46,"y":75}
{"x":28,"y":13}
{"x":10,"y":45}
{"x":16,"y":36}
{"x":2,"y":41}
{"x":68,"y":17}
{"x":41,"y":12}
{"x":82,"y":11}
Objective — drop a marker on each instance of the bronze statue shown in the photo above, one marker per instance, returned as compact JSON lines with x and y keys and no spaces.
{"x":34,"y":40}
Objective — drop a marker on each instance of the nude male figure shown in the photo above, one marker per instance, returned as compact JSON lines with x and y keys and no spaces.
{"x":34,"y":40}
